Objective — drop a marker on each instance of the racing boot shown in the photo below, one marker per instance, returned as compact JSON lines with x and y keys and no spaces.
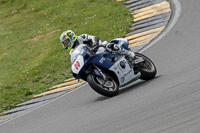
{"x":128,"y":53}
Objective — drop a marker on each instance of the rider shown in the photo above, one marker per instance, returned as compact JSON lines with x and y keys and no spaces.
{"x":69,"y":41}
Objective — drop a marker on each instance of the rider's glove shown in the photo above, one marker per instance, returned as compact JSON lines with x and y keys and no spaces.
{"x":95,"y":44}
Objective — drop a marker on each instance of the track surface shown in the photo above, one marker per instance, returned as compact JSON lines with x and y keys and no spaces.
{"x":168,"y":104}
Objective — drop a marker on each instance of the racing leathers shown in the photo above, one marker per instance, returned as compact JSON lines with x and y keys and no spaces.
{"x":115,"y":47}
{"x":91,"y":41}
{"x":94,"y":42}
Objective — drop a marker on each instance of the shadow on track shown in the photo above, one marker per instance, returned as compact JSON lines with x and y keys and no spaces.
{"x":128,"y":88}
{"x":135,"y":85}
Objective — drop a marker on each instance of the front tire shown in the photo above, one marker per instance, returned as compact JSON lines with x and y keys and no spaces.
{"x":98,"y":84}
{"x":147,"y":68}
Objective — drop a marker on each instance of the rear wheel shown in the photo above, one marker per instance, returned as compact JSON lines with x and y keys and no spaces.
{"x":147,"y":67}
{"x":108,"y":87}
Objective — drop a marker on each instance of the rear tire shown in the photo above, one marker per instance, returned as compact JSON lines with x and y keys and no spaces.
{"x":95,"y":83}
{"x":147,"y":68}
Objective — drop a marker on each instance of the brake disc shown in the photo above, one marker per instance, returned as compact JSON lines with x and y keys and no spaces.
{"x":109,"y":84}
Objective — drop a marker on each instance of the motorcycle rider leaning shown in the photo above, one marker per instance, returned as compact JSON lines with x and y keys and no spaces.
{"x":69,"y":41}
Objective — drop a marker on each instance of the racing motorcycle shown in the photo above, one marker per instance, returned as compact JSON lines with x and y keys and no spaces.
{"x":105,"y":72}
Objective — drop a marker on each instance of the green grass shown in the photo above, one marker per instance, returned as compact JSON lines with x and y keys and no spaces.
{"x":32,"y":58}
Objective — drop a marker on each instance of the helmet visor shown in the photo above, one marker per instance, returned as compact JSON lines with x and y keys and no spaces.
{"x":66,"y":43}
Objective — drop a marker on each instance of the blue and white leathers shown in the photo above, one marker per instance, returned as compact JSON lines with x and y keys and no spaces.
{"x":84,"y":63}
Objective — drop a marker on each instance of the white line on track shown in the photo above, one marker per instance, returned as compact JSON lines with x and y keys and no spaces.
{"x":176,"y":12}
{"x":44,"y":104}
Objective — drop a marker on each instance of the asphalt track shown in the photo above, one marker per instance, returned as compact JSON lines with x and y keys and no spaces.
{"x":170,"y":103}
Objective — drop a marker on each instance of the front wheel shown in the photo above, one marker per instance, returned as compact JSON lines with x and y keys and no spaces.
{"x":147,"y":67}
{"x":107,"y":88}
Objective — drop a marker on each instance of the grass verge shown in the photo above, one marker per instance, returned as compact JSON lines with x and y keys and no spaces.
{"x":32,"y":60}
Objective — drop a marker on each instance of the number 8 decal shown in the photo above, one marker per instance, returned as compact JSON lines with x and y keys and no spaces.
{"x":77,"y":65}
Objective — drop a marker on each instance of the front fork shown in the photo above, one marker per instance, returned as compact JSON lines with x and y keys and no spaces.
{"x":103,"y":75}
{"x":93,"y":69}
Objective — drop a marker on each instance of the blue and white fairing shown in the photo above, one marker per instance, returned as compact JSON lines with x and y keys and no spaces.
{"x":123,"y":71}
{"x":82,"y":60}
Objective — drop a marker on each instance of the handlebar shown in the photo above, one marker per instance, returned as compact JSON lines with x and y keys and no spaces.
{"x":92,"y":50}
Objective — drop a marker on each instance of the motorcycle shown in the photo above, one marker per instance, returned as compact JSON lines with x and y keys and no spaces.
{"x":105,"y":72}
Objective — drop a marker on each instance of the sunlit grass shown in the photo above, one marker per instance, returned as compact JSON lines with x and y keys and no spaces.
{"x":32,"y":59}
